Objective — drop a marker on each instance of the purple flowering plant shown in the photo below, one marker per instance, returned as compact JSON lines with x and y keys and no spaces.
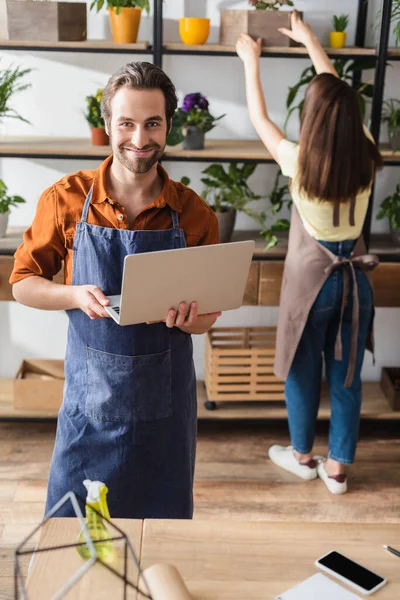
{"x":193,"y":113}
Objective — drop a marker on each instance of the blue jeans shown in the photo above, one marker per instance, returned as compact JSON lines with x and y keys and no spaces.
{"x":303,"y":385}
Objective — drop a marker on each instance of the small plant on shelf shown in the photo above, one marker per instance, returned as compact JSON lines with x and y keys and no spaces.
{"x":345,"y":69}
{"x":10,"y":84}
{"x":278,"y":198}
{"x":270,"y":4}
{"x":94,"y":118}
{"x":338,"y":36}
{"x":191,"y":122}
{"x":6,"y":202}
{"x":391,"y":116}
{"x":227,"y":192}
{"x":125,"y":16}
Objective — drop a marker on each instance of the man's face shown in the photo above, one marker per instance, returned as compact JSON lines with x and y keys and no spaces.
{"x":138,"y":128}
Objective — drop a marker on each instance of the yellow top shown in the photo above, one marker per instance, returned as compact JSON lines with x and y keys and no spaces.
{"x":317,"y":217}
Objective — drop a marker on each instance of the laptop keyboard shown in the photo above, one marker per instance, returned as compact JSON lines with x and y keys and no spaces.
{"x":116,"y":308}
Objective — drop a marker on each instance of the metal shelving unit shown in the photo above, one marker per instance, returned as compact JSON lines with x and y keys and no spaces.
{"x":216,"y":150}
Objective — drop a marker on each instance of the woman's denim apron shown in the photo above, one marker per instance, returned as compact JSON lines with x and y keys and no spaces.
{"x":129,"y":412}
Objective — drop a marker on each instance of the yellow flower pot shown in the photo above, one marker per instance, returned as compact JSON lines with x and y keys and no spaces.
{"x":125,"y":26}
{"x":337,"y":39}
{"x":194,"y":31}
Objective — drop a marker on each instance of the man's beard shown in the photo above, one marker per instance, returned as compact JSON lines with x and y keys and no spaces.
{"x":138,"y":165}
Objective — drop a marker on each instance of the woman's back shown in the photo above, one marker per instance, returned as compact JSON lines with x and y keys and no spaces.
{"x":317,"y":215}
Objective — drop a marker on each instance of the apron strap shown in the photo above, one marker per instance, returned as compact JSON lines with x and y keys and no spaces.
{"x":348,"y":266}
{"x":175,"y":219}
{"x":86,"y":206}
{"x":352,"y":209}
{"x":336,"y":214}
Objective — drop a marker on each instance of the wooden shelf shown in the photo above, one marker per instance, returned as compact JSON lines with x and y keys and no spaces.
{"x":394,"y":53}
{"x":375,"y":406}
{"x":86,"y":46}
{"x":267,"y":51}
{"x":82,"y":148}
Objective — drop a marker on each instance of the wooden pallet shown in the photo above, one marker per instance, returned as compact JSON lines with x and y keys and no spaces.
{"x":239,"y":365}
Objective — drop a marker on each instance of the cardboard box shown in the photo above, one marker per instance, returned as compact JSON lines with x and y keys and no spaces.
{"x":27,"y":20}
{"x":257,"y":23}
{"x":390,"y":384}
{"x":39,"y":384}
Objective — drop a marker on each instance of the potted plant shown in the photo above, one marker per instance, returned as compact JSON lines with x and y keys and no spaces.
{"x":95,"y":120}
{"x":10,"y":84}
{"x":228,"y":192}
{"x":124,"y":17}
{"x":6,"y":202}
{"x":194,"y":30}
{"x":391,"y":116}
{"x":390,"y":209}
{"x":262,"y":21}
{"x":278,"y":198}
{"x":338,"y":36}
{"x":345,"y":69}
{"x":191,"y":122}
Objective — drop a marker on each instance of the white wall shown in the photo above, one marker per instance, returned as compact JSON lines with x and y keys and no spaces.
{"x":55,"y":105}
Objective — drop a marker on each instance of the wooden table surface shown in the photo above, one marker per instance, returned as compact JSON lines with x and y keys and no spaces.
{"x":259,"y":560}
{"x":50,"y":570}
{"x":220,"y":560}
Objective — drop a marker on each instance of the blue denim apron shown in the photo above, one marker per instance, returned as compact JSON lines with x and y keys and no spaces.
{"x":128,"y":416}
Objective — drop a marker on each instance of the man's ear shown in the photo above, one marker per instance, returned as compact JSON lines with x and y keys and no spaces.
{"x":169,"y":127}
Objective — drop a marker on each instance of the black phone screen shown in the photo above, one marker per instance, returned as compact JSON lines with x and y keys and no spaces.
{"x":350,"y":570}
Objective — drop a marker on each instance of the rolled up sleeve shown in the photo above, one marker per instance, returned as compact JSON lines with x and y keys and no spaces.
{"x":43,"y":248}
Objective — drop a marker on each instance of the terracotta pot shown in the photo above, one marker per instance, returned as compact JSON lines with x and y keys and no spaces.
{"x":99,"y":137}
{"x":3,"y":224}
{"x":226,"y":224}
{"x":125,"y":25}
{"x":337,"y":39}
{"x":194,"y":31}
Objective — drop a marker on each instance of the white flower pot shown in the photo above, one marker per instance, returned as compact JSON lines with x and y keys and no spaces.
{"x":3,"y":224}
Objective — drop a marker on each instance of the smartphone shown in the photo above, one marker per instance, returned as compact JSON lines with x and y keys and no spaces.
{"x":360,"y":578}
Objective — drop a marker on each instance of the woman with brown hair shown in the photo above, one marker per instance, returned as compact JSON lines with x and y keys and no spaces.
{"x":326,"y":299}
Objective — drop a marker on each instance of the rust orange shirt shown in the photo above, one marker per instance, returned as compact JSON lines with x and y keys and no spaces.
{"x":49,"y":240}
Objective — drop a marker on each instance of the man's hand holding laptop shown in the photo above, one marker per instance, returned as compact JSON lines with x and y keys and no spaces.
{"x":92,"y":301}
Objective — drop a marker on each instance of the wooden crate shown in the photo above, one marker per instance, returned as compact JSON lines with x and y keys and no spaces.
{"x":257,"y":23}
{"x":390,"y":384}
{"x":29,"y":20}
{"x":239,"y":365}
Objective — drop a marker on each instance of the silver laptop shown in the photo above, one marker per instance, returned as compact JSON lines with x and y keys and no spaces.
{"x":153,"y":282}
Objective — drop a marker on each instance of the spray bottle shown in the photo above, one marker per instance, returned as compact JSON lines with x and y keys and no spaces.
{"x":96,"y":499}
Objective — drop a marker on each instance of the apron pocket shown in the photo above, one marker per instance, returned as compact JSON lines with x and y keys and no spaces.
{"x":128,"y":388}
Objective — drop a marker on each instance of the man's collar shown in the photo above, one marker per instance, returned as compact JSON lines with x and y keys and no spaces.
{"x":168,"y":194}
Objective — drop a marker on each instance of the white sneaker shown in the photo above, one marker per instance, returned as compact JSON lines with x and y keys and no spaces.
{"x":284,"y":457}
{"x":334,"y":486}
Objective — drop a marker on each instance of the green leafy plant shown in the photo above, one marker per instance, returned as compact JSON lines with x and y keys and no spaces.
{"x":279,"y":197}
{"x":390,"y":209}
{"x":345,"y":69}
{"x":394,"y":18}
{"x":270,"y":4}
{"x":391,"y":116}
{"x":193,"y":113}
{"x":93,"y":110}
{"x":119,"y":4}
{"x":340,"y":22}
{"x":7,"y":201}
{"x":10,"y":84}
{"x":229,"y":190}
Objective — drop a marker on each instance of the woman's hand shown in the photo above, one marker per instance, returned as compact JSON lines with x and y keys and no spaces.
{"x":300,"y":32}
{"x":248,"y":50}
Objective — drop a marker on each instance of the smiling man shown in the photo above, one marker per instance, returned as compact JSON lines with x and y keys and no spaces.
{"x":128,"y":416}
